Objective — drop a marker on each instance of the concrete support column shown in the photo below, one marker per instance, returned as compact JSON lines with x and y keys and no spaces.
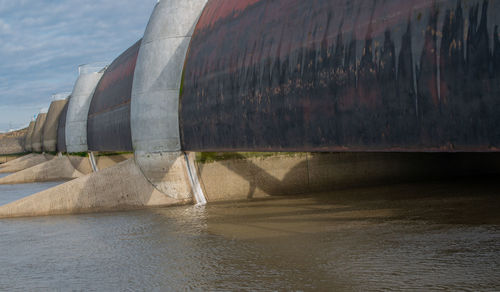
{"x":37,"y":137}
{"x":28,"y":139}
{"x":78,"y":109}
{"x":155,"y":95}
{"x":52,"y":124}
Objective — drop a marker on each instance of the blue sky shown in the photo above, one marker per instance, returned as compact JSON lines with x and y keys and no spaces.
{"x":42,"y":42}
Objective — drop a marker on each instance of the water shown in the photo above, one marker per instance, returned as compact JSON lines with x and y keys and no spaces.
{"x":4,"y":174}
{"x":11,"y":193}
{"x":432,"y":236}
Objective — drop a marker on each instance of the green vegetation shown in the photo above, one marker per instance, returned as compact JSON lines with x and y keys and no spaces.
{"x":207,"y":157}
{"x":113,"y":153}
{"x":85,"y":154}
{"x":14,"y":154}
{"x":80,"y":154}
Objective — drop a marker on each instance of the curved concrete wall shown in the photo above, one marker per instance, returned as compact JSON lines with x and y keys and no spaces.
{"x":29,"y":135}
{"x":61,"y":129}
{"x":37,"y":138}
{"x":336,"y":75}
{"x":157,"y":81}
{"x":51,"y":126}
{"x":78,"y":109}
{"x":155,"y":96}
{"x":108,"y":127}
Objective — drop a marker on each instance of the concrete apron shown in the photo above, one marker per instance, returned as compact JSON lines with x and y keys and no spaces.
{"x":308,"y":173}
{"x":120,"y":187}
{"x":17,"y":160}
{"x":57,"y":169}
{"x":25,"y":162}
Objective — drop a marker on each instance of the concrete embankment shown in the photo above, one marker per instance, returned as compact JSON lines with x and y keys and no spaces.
{"x":119,"y":187}
{"x":242,"y":176}
{"x":18,"y":159}
{"x":37,"y":137}
{"x":59,"y":168}
{"x":25,"y":162}
{"x":13,"y":142}
{"x":4,"y":159}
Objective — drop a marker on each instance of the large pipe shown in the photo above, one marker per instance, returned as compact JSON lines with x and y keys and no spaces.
{"x":37,"y":137}
{"x":108,"y":127}
{"x":61,"y":129}
{"x":78,"y":109}
{"x":52,"y":124}
{"x":336,"y":75}
{"x":29,"y":134}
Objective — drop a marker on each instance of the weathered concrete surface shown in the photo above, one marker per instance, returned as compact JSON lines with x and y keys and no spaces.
{"x":157,"y":77}
{"x":155,"y":96}
{"x":8,"y":158}
{"x":17,"y":160}
{"x":78,"y":109}
{"x":82,"y":164}
{"x":304,"y":173}
{"x":29,"y":135}
{"x":13,"y":142}
{"x":37,"y":137}
{"x":25,"y":162}
{"x":120,"y":187}
{"x":52,"y":124}
{"x":59,"y":168}
{"x":167,"y":171}
{"x":104,"y":162}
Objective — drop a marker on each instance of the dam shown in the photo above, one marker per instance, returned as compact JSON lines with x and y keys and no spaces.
{"x":350,"y":97}
{"x":232,"y":128}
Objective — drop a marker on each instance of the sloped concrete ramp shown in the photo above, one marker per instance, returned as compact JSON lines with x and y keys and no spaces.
{"x":59,"y":168}
{"x":121,"y":187}
{"x":25,"y":162}
{"x":17,"y":160}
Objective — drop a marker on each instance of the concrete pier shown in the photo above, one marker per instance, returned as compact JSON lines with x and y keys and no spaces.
{"x":28,"y":138}
{"x":121,"y":187}
{"x":25,"y":162}
{"x":52,"y":124}
{"x":37,"y":137}
{"x":59,"y":168}
{"x":155,"y":95}
{"x":78,"y":109}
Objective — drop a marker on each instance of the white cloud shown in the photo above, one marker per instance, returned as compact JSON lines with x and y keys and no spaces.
{"x":42,"y":43}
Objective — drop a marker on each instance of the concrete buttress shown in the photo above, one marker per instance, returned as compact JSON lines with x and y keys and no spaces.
{"x":155,"y":95}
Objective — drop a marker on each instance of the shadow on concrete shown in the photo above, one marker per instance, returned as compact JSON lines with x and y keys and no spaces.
{"x":320,"y":172}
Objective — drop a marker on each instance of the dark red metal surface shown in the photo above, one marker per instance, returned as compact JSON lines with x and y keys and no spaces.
{"x":343,"y":75}
{"x":108,"y":127}
{"x":61,"y":129}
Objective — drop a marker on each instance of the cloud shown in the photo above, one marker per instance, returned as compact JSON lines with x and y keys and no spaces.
{"x":42,"y":43}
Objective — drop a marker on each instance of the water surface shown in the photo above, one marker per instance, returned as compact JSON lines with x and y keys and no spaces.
{"x":432,"y":236}
{"x":11,"y":193}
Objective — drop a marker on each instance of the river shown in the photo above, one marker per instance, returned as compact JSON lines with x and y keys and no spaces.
{"x":425,"y":236}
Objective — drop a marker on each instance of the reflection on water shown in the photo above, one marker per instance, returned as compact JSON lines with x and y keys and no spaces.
{"x":4,"y":174}
{"x":425,"y":236}
{"x":11,"y":193}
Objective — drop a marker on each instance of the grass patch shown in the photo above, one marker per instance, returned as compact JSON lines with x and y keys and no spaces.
{"x":207,"y":157}
{"x":113,"y":153}
{"x":14,"y":154}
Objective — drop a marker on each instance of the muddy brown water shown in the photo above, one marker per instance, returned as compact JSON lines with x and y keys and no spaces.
{"x":420,"y":237}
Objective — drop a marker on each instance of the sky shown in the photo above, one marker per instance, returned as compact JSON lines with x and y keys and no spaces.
{"x":42,"y":43}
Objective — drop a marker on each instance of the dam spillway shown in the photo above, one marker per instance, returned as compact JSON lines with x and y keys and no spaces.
{"x":284,"y":81}
{"x":341,"y":145}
